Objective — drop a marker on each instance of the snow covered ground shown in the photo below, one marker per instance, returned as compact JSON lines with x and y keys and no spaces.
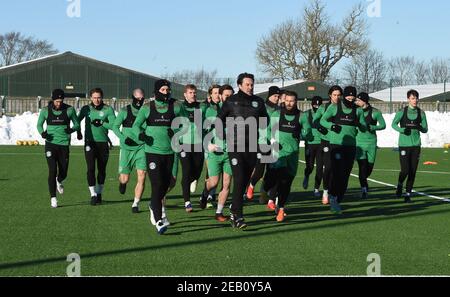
{"x":23,"y":127}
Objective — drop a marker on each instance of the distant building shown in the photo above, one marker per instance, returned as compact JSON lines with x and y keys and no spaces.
{"x":76,"y":75}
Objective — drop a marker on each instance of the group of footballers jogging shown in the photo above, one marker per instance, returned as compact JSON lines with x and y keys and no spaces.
{"x":238,"y":137}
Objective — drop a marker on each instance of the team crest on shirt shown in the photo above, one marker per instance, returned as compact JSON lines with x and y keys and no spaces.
{"x":88,"y":148}
{"x":183,"y":154}
{"x":326,"y":149}
{"x":255,"y":104}
{"x":48,"y":154}
{"x":152,"y":166}
{"x":101,"y":113}
{"x":403,"y":153}
{"x":338,"y":156}
{"x":234,"y":162}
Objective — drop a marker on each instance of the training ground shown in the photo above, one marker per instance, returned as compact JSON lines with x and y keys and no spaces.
{"x":411,"y":239}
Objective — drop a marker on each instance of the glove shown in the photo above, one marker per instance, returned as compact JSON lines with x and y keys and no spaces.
{"x":69,"y":130}
{"x":97,"y":123}
{"x":322,"y":130}
{"x":79,"y":135}
{"x":130,"y":142}
{"x":336,"y":128}
{"x":145,"y":138}
{"x":47,"y":136}
{"x":407,"y":131}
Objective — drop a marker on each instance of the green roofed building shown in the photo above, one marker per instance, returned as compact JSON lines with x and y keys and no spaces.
{"x":305,"y":89}
{"x":76,"y":74}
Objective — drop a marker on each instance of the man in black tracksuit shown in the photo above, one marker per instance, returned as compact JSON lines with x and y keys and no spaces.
{"x":242,"y":145}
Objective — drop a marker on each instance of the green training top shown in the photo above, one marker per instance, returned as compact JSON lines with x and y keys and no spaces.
{"x":194,"y":134}
{"x":271,"y":107}
{"x":353,"y":117}
{"x":57,"y":122}
{"x":155,"y":119}
{"x":289,"y":132}
{"x":126,"y":118}
{"x":211,"y":116}
{"x":418,"y":125}
{"x":375,"y":122}
{"x":105,"y":114}
{"x":318,"y":116}
{"x":307,"y":120}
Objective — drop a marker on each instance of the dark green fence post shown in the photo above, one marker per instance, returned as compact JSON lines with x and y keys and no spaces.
{"x":1,"y":105}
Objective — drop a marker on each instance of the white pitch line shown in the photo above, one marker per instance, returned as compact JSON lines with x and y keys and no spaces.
{"x":420,"y":171}
{"x":393,"y":186}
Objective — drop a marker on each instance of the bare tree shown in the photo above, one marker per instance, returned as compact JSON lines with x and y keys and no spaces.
{"x":439,"y":70}
{"x":310,"y":47}
{"x":16,"y":48}
{"x":351,"y":72}
{"x":401,"y":70}
{"x":421,"y":72}
{"x":201,"y":78}
{"x":367,"y":71}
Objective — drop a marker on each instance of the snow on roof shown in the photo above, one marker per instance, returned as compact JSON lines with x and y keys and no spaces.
{"x":399,"y":93}
{"x":31,"y":61}
{"x":262,"y":88}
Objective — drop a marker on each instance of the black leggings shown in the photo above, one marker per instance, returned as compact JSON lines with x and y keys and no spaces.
{"x":326,"y":161}
{"x":313,"y":155}
{"x":342,"y":158}
{"x":280,"y":179}
{"x":409,"y":162}
{"x":258,"y":173}
{"x":365,"y":170}
{"x":96,"y":152}
{"x":192,"y":166}
{"x":58,"y":164}
{"x":159,"y":168}
{"x":242,"y":165}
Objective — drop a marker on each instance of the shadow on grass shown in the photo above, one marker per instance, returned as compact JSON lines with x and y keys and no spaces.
{"x":299,"y":216}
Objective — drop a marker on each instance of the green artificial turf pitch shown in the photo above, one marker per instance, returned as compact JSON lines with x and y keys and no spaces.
{"x":411,"y":239}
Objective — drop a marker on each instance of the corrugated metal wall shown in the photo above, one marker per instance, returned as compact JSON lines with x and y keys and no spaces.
{"x":41,"y":77}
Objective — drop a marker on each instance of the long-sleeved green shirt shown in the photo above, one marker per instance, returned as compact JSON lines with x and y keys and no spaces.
{"x":57,"y":133}
{"x":289,"y":144}
{"x":318,"y":116}
{"x":194,"y":134}
{"x":314,"y":136}
{"x":126,"y":132}
{"x":414,"y":138}
{"x":161,"y":144}
{"x":211,"y":116}
{"x":90,"y":113}
{"x":368,"y":135}
{"x":347,"y":135}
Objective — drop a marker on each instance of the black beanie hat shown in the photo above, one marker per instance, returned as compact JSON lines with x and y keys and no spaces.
{"x":364,"y":97}
{"x":161,"y":83}
{"x":350,"y":91}
{"x":316,"y":100}
{"x":273,"y":90}
{"x":58,"y":94}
